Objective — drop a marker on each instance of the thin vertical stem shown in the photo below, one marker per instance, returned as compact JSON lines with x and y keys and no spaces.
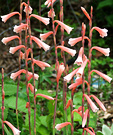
{"x":3,"y":96}
{"x":20,"y":19}
{"x":32,"y":66}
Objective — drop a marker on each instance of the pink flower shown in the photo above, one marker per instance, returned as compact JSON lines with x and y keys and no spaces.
{"x":14,"y":49}
{"x":48,"y":2}
{"x":60,"y":126}
{"x":89,"y":131}
{"x":68,"y":50}
{"x":69,"y":103}
{"x":61,"y":69}
{"x":85,"y":118}
{"x":15,"y":130}
{"x":107,"y":78}
{"x":15,"y":75}
{"x":5,"y":40}
{"x":40,"y":43}
{"x":64,"y":26}
{"x":68,"y":77}
{"x":41,"y":64}
{"x":98,"y":102}
{"x":29,"y":11}
{"x":6,"y":17}
{"x":81,"y":69}
{"x":42,"y":19}
{"x":105,"y":51}
{"x":79,"y":60}
{"x":86,"y":13}
{"x":31,"y":87}
{"x":77,"y":83}
{"x":51,"y":13}
{"x":45,"y":96}
{"x":45,"y":35}
{"x":30,"y":75}
{"x":102,"y":32}
{"x":76,"y":110}
{"x":73,"y":41}
{"x":90,"y":102}
{"x":19,"y":28}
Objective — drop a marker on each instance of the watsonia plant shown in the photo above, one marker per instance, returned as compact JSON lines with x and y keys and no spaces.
{"x":27,"y":47}
{"x":82,"y":60}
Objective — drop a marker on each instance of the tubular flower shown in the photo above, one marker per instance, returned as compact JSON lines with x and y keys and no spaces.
{"x":68,"y":77}
{"x":60,"y":126}
{"x":5,"y":40}
{"x":28,"y":10}
{"x":78,"y":82}
{"x":69,"y":103}
{"x":86,"y":13}
{"x":89,"y":131}
{"x":81,"y":69}
{"x":41,"y":64}
{"x":42,"y":19}
{"x":40,"y":43}
{"x":106,"y":77}
{"x":6,"y":17}
{"x":14,"y":49}
{"x":73,"y":41}
{"x":85,"y":118}
{"x":105,"y":51}
{"x":68,"y":50}
{"x":76,"y":110}
{"x":79,"y":60}
{"x":61,"y":69}
{"x":102,"y":32}
{"x":19,"y":28}
{"x":31,"y":87}
{"x":45,"y":96}
{"x":15,"y":130}
{"x":49,"y":2}
{"x":36,"y":76}
{"x":98,"y":102}
{"x":45,"y":35}
{"x":64,"y":26}
{"x":90,"y":102}
{"x":51,"y":13}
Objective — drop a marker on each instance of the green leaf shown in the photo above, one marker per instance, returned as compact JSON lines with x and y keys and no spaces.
{"x":106,"y":130}
{"x":105,"y":3}
{"x":43,"y":120}
{"x":99,"y":133}
{"x":11,"y":101}
{"x":112,"y":128}
{"x":43,"y":130}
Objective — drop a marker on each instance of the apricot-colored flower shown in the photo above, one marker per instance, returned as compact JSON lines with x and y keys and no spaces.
{"x":68,"y":50}
{"x":6,"y":17}
{"x":105,"y":51}
{"x":40,"y":43}
{"x":31,"y":87}
{"x":69,"y":103}
{"x":5,"y":40}
{"x":90,"y":102}
{"x":76,"y":110}
{"x":45,"y":35}
{"x":81,"y":69}
{"x":15,"y":130}
{"x":89,"y":131}
{"x":86,"y":13}
{"x":85,"y":118}
{"x":98,"y":102}
{"x":19,"y":28}
{"x":45,"y":96}
{"x":68,"y":77}
{"x":42,"y":19}
{"x":106,"y":77}
{"x":79,"y":60}
{"x":61,"y":69}
{"x":51,"y":13}
{"x":64,"y":26}
{"x":14,"y":49}
{"x":102,"y":32}
{"x":61,"y":125}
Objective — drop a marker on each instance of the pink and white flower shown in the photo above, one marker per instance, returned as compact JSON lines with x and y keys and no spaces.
{"x":19,"y":28}
{"x":60,"y":126}
{"x":86,"y":13}
{"x":45,"y":35}
{"x":31,"y":87}
{"x":61,"y":69}
{"x":45,"y":96}
{"x":14,"y":49}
